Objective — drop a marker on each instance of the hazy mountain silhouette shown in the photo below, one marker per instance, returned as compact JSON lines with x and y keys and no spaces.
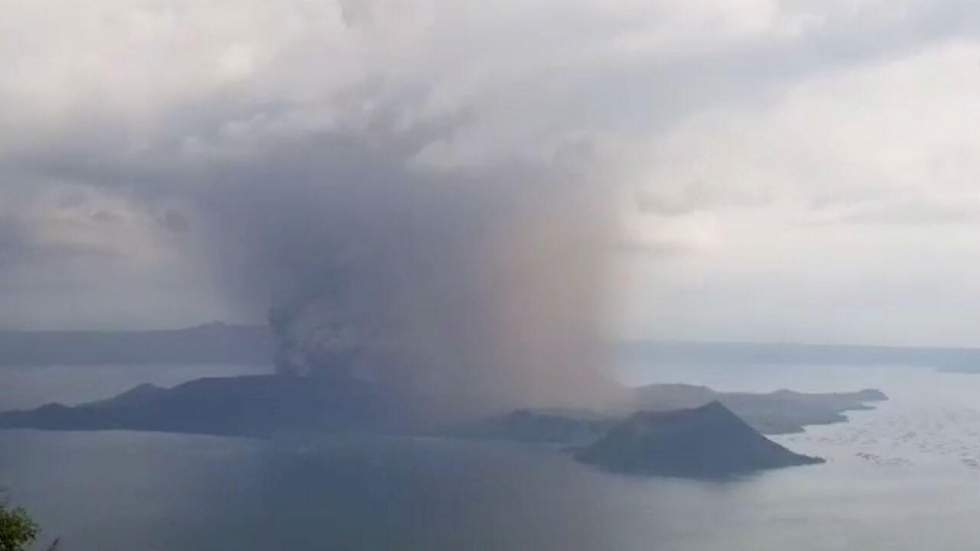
{"x":263,"y":405}
{"x":709,"y":441}
{"x":652,"y":352}
{"x":233,"y":406}
{"x":779,"y":412}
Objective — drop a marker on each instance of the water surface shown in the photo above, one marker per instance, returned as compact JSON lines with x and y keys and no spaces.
{"x":901,"y":477}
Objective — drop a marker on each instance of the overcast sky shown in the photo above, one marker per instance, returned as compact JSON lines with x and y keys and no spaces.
{"x":794,"y":171}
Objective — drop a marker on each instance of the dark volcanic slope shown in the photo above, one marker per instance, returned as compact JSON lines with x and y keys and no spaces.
{"x":705,"y":442}
{"x":779,"y":412}
{"x":210,"y":343}
{"x":233,"y":406}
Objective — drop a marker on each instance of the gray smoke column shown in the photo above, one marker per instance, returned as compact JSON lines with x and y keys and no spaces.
{"x":470,"y":289}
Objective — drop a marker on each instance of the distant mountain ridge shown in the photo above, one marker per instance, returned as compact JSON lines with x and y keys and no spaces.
{"x":209,"y":343}
{"x":779,"y":412}
{"x":251,"y":405}
{"x":653,"y":352}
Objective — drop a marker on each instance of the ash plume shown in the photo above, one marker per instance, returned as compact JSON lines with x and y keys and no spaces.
{"x":467,"y":289}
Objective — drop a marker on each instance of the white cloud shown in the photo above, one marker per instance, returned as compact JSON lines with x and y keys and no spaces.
{"x":847,"y":199}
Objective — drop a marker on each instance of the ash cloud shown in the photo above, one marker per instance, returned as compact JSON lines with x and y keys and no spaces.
{"x":408,"y":186}
{"x":472,"y":288}
{"x":467,"y":288}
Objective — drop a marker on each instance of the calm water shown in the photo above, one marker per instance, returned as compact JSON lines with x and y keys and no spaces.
{"x":902,"y":477}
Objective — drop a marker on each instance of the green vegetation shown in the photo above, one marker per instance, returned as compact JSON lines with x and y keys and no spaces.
{"x":17,"y":530}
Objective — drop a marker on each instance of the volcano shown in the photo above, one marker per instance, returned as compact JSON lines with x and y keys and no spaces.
{"x":704,"y":442}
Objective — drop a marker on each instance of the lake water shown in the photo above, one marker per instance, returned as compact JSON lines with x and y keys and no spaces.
{"x":904,"y":476}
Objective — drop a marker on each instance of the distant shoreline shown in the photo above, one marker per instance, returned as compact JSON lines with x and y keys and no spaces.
{"x":742,"y":353}
{"x":209,"y":343}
